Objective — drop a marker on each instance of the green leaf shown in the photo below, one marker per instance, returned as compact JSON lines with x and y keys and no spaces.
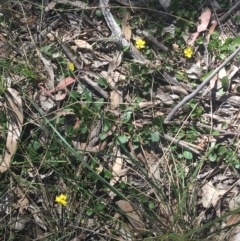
{"x":125,"y":48}
{"x":151,"y":205}
{"x":106,"y":126}
{"x":192,"y":105}
{"x":238,"y":89}
{"x":237,"y":40}
{"x":237,"y":166}
{"x":145,"y":128}
{"x":222,"y":150}
{"x":207,"y":74}
{"x":36,"y":145}
{"x":84,"y":129}
{"x":100,"y":206}
{"x":130,"y":127}
{"x":157,"y":121}
{"x":89,"y":212}
{"x":155,"y":136}
{"x":98,"y":13}
{"x":107,"y":174}
{"x":212,"y":157}
{"x":127,"y":116}
{"x":102,"y":136}
{"x":74,"y":94}
{"x":98,"y":104}
{"x":122,"y":185}
{"x":188,"y":155}
{"x":215,"y":133}
{"x":102,"y":82}
{"x":222,"y":56}
{"x":123,"y":139}
{"x":136,"y":139}
{"x":225,"y":82}
{"x":224,"y":124}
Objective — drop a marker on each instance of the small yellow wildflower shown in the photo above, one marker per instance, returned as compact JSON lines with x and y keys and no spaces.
{"x":61,"y":199}
{"x":71,"y":66}
{"x":188,"y":52}
{"x":140,"y":44}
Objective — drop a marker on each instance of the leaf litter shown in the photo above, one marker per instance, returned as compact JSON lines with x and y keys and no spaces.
{"x":107,"y":85}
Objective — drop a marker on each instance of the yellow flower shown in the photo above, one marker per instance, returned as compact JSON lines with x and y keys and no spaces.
{"x":188,"y":52}
{"x":61,"y":199}
{"x":71,"y":66}
{"x":140,"y":44}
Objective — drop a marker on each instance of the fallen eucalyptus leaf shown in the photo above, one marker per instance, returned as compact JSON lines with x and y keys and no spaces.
{"x":15,"y":114}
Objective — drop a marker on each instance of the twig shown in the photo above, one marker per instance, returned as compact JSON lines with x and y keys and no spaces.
{"x":41,"y":35}
{"x":199,"y":88}
{"x":151,"y":39}
{"x":117,"y":35}
{"x":183,"y":144}
{"x":223,"y":18}
{"x":79,"y":68}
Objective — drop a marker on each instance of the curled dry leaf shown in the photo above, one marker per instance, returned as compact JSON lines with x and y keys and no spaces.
{"x":23,"y":201}
{"x":117,"y":166}
{"x":165,"y":3}
{"x":63,"y":84}
{"x":18,"y":222}
{"x":233,"y":70}
{"x":204,"y":18}
{"x":77,"y":4}
{"x":210,"y":195}
{"x":116,"y":98}
{"x":134,"y":216}
{"x":116,"y":61}
{"x":211,"y":29}
{"x":38,"y":216}
{"x":83,"y":44}
{"x":164,"y":97}
{"x":49,"y":69}
{"x":15,"y":114}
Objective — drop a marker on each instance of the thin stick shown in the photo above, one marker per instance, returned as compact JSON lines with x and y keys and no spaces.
{"x":224,"y":17}
{"x":94,"y":85}
{"x":199,"y":88}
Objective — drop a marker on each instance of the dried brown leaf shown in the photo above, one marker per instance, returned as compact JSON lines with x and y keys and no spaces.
{"x":134,"y":216}
{"x":23,"y":201}
{"x":125,"y":26}
{"x":63,"y":84}
{"x":38,"y":216}
{"x":19,"y":223}
{"x":83,"y":44}
{"x":116,"y":98}
{"x":116,"y":61}
{"x":204,"y":18}
{"x":109,"y":79}
{"x":117,"y":166}
{"x":53,"y":3}
{"x":15,"y":114}
{"x":235,"y":234}
{"x":211,"y":29}
{"x":48,"y":67}
{"x":210,"y":195}
{"x":194,"y":37}
{"x":233,"y":219}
